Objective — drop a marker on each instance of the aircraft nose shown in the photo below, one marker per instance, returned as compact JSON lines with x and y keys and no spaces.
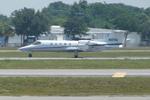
{"x":21,"y":49}
{"x":24,"y":49}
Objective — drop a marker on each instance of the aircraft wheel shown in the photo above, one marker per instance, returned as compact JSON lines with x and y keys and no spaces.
{"x":30,"y":55}
{"x":76,"y":54}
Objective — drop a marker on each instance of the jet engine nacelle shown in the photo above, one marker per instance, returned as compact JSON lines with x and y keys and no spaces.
{"x":83,"y":45}
{"x":89,"y":45}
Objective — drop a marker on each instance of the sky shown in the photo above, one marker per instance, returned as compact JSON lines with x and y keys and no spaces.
{"x":8,"y":6}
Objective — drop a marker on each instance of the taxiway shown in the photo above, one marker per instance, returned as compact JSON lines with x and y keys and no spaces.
{"x":77,"y":98}
{"x":73,"y":73}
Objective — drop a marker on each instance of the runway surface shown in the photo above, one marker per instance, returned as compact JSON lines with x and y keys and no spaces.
{"x":78,"y":98}
{"x":84,"y":58}
{"x":73,"y":73}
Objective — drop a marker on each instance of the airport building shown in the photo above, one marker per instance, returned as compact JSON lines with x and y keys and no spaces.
{"x":98,"y":34}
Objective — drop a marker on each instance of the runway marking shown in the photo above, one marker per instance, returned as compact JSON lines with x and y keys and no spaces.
{"x":119,"y":75}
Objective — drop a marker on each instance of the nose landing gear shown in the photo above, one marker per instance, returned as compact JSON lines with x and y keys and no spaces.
{"x":76,"y":54}
{"x":30,"y":55}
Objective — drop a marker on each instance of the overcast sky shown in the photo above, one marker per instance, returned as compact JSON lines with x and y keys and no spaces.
{"x":8,"y":6}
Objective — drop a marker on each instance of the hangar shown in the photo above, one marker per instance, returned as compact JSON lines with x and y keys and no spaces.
{"x":98,"y":34}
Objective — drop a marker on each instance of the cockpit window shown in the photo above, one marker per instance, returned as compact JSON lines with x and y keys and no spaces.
{"x":37,"y":43}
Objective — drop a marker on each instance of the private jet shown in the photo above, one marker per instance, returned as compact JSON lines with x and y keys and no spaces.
{"x":68,"y":46}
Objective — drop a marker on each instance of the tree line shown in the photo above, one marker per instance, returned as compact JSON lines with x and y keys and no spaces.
{"x":77,"y":18}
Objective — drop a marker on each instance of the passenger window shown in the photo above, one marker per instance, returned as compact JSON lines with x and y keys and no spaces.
{"x":65,"y":43}
{"x":51,"y":44}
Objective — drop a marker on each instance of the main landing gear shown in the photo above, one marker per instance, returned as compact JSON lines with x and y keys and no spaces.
{"x":76,"y":54}
{"x":30,"y":55}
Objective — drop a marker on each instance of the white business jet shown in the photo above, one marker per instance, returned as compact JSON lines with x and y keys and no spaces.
{"x":68,"y":46}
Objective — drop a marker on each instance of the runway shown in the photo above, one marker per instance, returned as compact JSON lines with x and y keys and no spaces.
{"x":74,"y":73}
{"x":77,"y":98}
{"x":84,"y":58}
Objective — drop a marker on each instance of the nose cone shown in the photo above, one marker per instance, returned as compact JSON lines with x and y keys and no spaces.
{"x":24,"y":49}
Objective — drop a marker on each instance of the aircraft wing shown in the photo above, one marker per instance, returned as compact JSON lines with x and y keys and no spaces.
{"x":71,"y":48}
{"x":96,"y":43}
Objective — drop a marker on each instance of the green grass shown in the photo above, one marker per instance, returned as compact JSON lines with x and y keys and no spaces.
{"x":8,"y":48}
{"x":137,"y":52}
{"x":82,"y":54}
{"x":74,"y":86}
{"x":76,"y":64}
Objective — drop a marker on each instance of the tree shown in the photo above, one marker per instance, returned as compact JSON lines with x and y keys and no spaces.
{"x":77,"y":21}
{"x":145,"y":30}
{"x":4,"y":18}
{"x":39,"y":24}
{"x":6,"y":30}
{"x":57,"y":12}
{"x":22,"y":20}
{"x":126,"y":22}
{"x":27,"y":22}
{"x":147,"y":11}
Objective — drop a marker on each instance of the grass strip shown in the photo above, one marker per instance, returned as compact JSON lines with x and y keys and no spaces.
{"x":82,"y":54}
{"x":76,"y":64}
{"x":74,"y":86}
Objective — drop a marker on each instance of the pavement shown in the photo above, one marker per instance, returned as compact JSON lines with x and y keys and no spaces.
{"x":74,"y":73}
{"x":77,"y":98}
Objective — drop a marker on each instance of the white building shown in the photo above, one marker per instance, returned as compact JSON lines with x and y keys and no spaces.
{"x":14,"y":41}
{"x":98,"y":34}
{"x":57,"y":33}
{"x":107,"y":35}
